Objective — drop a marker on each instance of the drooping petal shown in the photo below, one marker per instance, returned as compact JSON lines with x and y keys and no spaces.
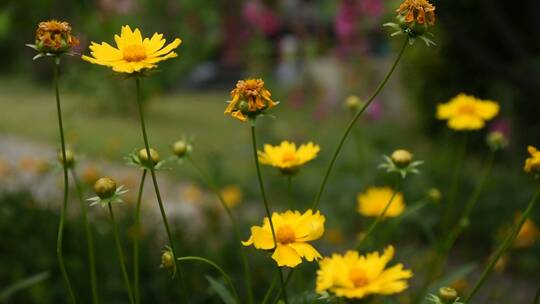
{"x":284,"y":255}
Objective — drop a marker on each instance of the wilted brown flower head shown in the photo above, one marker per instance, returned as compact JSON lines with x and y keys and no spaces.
{"x":54,"y":36}
{"x":420,"y":10}
{"x":249,"y":98}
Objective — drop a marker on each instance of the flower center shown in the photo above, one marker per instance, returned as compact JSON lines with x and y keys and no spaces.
{"x":285,"y":235}
{"x":288,"y":157}
{"x":134,"y":52}
{"x":467,"y":109}
{"x":358,"y":277}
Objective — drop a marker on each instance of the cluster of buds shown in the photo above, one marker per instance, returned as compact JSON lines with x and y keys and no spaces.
{"x":414,"y":18}
{"x":53,"y":38}
{"x":146,"y":161}
{"x":446,"y":295}
{"x":250,"y":98}
{"x":107,"y":192}
{"x":401,"y":161}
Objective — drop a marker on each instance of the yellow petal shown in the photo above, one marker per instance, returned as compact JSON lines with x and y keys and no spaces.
{"x":286,"y":256}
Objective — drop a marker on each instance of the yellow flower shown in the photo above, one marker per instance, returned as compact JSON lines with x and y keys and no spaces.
{"x":532,"y":164}
{"x":417,"y":9}
{"x":232,"y":195}
{"x":287,"y":157}
{"x":465,"y":112}
{"x":355,"y":276}
{"x":192,"y":194}
{"x":132,"y":54}
{"x":293,"y":232}
{"x":54,"y":36}
{"x":374,"y":200}
{"x":528,"y":234}
{"x":249,"y":98}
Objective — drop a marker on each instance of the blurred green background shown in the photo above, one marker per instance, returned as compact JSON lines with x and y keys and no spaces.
{"x":312,"y":55}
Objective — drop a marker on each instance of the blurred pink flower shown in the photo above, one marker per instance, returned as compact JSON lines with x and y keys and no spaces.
{"x":118,"y":6}
{"x":374,"y":111}
{"x":261,"y":17}
{"x":501,"y":125}
{"x":372,"y":8}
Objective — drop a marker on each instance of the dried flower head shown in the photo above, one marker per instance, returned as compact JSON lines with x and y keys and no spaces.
{"x":249,"y":98}
{"x":54,"y":37}
{"x":420,"y":11}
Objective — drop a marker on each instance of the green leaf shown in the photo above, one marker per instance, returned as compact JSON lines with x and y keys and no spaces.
{"x":23,"y":284}
{"x":221,"y":290}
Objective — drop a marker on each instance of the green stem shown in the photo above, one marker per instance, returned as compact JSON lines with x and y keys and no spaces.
{"x":537,"y":297}
{"x":223,"y":273}
{"x":213,"y":186}
{"x":458,"y":166}
{"x":461,"y":223}
{"x":289,"y":192}
{"x":504,"y":246}
{"x":353,"y":122}
{"x":89,"y":239}
{"x":380,"y":216}
{"x":136,"y":236}
{"x":121,"y":255}
{"x":60,"y":236}
{"x":271,"y":288}
{"x":155,"y":183}
{"x":287,"y":279}
{"x":265,"y":201}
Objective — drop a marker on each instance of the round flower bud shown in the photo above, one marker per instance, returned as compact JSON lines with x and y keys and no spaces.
{"x":70,"y":158}
{"x":180,"y":148}
{"x":401,"y":158}
{"x":434,"y":195}
{"x":496,"y":140}
{"x":143,"y":156}
{"x":243,"y":106}
{"x":167,"y":260}
{"x":353,"y":103}
{"x":448,"y":294}
{"x":105,"y":187}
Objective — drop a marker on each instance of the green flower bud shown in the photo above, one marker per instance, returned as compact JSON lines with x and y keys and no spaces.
{"x":154,"y":156}
{"x":105,"y":187}
{"x":180,"y":148}
{"x":448,"y":294}
{"x":70,"y":158}
{"x":401,"y":158}
{"x":167,"y":259}
{"x":434,"y":195}
{"x":243,"y":106}
{"x":353,"y":103}
{"x":496,"y":140}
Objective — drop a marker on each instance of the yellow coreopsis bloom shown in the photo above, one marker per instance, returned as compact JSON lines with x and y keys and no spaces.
{"x":374,"y":200}
{"x":249,"y":98}
{"x":532,"y":163}
{"x":357,"y":276}
{"x":232,"y":195}
{"x":286,"y":157}
{"x":293,"y":231}
{"x":528,"y":234}
{"x":132,"y":54}
{"x":466,"y":112}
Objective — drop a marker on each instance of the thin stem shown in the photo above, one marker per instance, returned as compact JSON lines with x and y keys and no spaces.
{"x":289,"y":192}
{"x":537,"y":297}
{"x":287,"y":279}
{"x":213,"y":186}
{"x":458,"y":166}
{"x":316,"y":202}
{"x":504,"y":246}
{"x":271,"y":288}
{"x":380,"y":216}
{"x":60,"y":237}
{"x":136,"y":236}
{"x":120,"y":255}
{"x":283,"y":290}
{"x":89,"y":239}
{"x":265,"y":201}
{"x":223,"y":273}
{"x":473,"y":200}
{"x":156,"y":186}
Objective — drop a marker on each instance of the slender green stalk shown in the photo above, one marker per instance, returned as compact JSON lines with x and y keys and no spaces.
{"x":537,"y":297}
{"x":380,"y":216}
{"x":504,"y":246}
{"x":136,"y":239}
{"x":287,"y":279}
{"x":271,"y":288}
{"x":121,"y":255}
{"x":213,"y":186}
{"x":352,"y":123}
{"x":221,"y":271}
{"x":289,"y":192}
{"x":473,"y":200}
{"x":156,"y":186}
{"x":89,"y":239}
{"x":458,"y":168}
{"x":60,"y":237}
{"x":265,"y":201}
